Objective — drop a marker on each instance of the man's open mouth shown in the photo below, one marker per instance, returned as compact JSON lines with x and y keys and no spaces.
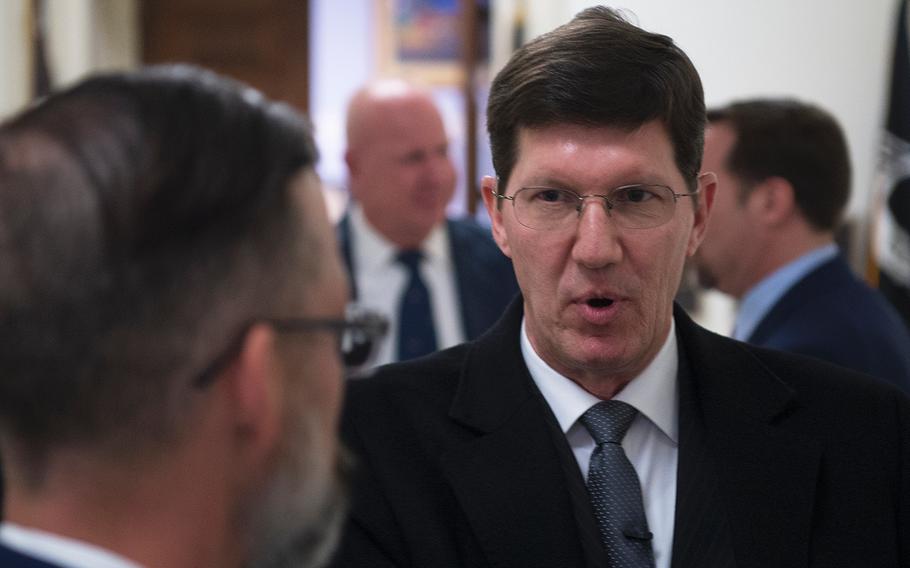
{"x":599,"y":302}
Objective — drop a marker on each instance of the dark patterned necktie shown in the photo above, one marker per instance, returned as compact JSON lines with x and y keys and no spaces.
{"x":615,"y":489}
{"x":416,"y":334}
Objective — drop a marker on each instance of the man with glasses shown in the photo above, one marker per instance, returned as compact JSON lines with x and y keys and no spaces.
{"x":171,"y":308}
{"x":595,"y":424}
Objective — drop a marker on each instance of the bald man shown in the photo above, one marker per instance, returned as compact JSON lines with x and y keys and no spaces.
{"x":440,"y":281}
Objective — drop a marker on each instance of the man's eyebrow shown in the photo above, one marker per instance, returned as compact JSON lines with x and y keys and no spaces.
{"x":633,"y":178}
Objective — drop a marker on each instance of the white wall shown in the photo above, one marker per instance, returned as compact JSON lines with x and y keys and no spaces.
{"x":341,"y":60}
{"x":15,"y":65}
{"x":834,"y":53}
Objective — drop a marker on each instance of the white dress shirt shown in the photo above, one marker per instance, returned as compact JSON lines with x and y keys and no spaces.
{"x":56,"y":549}
{"x":381,"y":280}
{"x":651,"y":443}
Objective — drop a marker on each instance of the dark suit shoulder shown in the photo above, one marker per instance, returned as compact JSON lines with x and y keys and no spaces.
{"x":484,"y":276}
{"x":416,"y":393}
{"x":468,"y":228}
{"x":749,"y":377}
{"x":476,"y":241}
{"x":809,"y":376}
{"x":396,"y":424}
{"x":798,"y":443}
{"x":10,"y":558}
{"x":832,"y":315}
{"x":432,"y":374}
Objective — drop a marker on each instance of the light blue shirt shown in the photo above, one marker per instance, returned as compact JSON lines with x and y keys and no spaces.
{"x":759,"y":300}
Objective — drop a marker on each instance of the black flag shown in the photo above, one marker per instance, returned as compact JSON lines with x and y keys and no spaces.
{"x":892,"y":227}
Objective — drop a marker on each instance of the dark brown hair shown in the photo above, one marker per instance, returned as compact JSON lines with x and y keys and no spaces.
{"x":598,"y":70}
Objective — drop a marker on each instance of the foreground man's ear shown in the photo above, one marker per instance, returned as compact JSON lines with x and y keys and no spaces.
{"x":255,"y":392}
{"x":489,"y":186}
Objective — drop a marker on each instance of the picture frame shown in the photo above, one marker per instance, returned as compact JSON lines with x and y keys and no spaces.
{"x":422,"y":40}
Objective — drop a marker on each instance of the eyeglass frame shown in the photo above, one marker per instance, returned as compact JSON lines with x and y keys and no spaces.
{"x":357,"y":320}
{"x":609,"y":205}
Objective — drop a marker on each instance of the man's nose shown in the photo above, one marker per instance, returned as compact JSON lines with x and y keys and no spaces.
{"x":438,"y":169}
{"x":597,"y":201}
{"x":597,"y":238}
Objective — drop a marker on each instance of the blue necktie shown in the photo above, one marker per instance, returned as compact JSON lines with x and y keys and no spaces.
{"x":416,"y":334}
{"x":615,"y":489}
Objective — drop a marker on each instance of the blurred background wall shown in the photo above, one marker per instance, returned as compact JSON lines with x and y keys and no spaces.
{"x":78,"y":37}
{"x":14,"y":63}
{"x":315,"y":53}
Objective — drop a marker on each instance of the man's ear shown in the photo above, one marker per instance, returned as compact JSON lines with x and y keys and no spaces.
{"x":254,"y":384}
{"x":353,"y":164}
{"x":772,"y":201}
{"x":350,"y":160}
{"x":707,"y":182}
{"x":488,"y":189}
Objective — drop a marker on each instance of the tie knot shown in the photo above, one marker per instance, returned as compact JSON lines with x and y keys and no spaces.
{"x":608,"y":420}
{"x":410,"y":258}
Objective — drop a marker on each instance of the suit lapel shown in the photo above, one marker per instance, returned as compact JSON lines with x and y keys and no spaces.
{"x":471,"y":296}
{"x":509,"y":479}
{"x":702,"y":531}
{"x":737,"y":462}
{"x":745,"y":484}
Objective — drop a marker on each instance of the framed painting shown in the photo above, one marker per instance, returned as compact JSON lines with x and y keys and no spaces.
{"x":422,"y":39}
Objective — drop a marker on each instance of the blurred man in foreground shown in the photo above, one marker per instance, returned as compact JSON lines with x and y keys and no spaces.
{"x":170,"y":300}
{"x":439,"y":281}
{"x":783,"y":184}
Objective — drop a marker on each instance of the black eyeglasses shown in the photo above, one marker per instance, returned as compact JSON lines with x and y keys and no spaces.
{"x":358,"y":334}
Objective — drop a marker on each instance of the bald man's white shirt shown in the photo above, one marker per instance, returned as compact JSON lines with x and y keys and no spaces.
{"x":381,"y":280}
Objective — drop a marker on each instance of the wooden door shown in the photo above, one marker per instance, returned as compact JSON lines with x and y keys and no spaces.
{"x":261,"y":42}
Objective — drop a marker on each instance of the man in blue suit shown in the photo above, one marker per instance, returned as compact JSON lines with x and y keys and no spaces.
{"x":401,"y":179}
{"x":170,"y":304}
{"x":783,"y":183}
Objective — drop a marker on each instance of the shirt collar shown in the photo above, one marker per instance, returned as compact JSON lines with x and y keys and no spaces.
{"x":374,"y":251}
{"x":67,"y":552}
{"x":653,"y":393}
{"x":759,"y":300}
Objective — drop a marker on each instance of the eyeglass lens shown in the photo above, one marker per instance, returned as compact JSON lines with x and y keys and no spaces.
{"x":633,"y":206}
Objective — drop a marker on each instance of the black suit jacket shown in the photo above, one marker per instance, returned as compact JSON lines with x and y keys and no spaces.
{"x":12,"y":559}
{"x":484,"y":278}
{"x":784,"y":462}
{"x":832,"y":315}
